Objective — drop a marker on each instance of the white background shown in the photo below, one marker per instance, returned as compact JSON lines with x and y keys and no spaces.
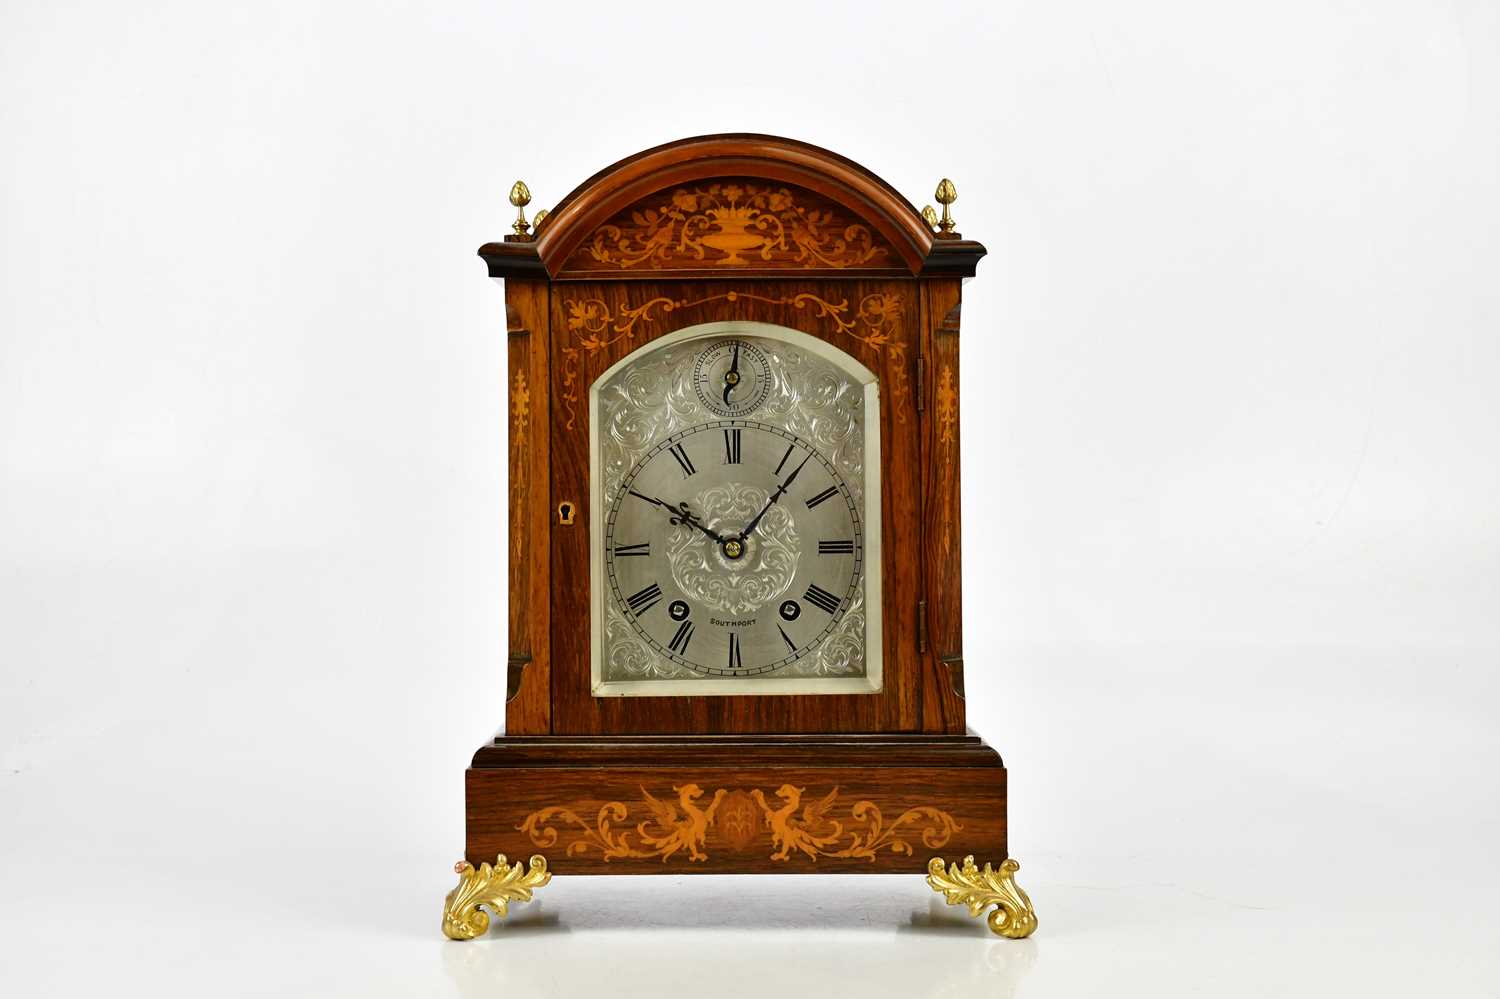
{"x":1232,"y":539}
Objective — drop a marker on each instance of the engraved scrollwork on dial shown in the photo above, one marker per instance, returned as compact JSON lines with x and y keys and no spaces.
{"x":842,"y":653}
{"x":741,"y":586}
{"x":654,"y":398}
{"x":629,"y":658}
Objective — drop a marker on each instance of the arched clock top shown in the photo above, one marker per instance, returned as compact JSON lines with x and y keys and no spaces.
{"x":731,"y":206}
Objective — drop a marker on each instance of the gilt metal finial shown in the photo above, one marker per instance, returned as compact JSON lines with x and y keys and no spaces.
{"x":520,"y":196}
{"x":538,"y":219}
{"x":946,"y":194}
{"x":929,"y":215}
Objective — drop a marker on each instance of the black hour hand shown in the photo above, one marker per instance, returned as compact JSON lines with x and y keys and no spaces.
{"x":732,"y":376}
{"x":685,"y":516}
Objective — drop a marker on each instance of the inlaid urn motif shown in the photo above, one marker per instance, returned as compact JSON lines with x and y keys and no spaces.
{"x":734,"y":224}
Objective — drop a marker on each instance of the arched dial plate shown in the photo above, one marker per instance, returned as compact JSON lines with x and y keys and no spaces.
{"x":736,"y":476}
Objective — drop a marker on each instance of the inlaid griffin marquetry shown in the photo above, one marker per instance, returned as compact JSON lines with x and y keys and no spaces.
{"x":675,"y":832}
{"x":737,"y":820}
{"x":811,"y":834}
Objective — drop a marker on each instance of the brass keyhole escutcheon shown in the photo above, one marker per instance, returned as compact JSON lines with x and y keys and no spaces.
{"x":565,"y":512}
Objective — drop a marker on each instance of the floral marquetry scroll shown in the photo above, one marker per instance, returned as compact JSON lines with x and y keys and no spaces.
{"x":947,"y":413}
{"x":733,"y":225}
{"x":520,"y":410}
{"x":875,"y":322}
{"x":783,"y":822}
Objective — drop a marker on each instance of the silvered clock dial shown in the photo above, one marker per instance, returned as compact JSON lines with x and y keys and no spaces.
{"x":736,"y":546}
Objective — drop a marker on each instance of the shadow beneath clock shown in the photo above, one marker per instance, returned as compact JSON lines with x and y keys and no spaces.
{"x":528,"y":921}
{"x":829,"y":934}
{"x":940,"y":919}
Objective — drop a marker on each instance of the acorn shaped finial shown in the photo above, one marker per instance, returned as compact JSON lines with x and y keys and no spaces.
{"x":946,"y":194}
{"x":520,"y":196}
{"x":929,"y":215}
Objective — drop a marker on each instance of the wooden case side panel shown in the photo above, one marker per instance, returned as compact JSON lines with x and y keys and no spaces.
{"x":528,"y":706}
{"x":943,"y":664}
{"x":597,"y":324}
{"x":736,"y":820}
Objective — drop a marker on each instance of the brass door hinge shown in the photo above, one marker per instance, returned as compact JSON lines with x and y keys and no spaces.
{"x":921,"y":626}
{"x":921,"y":383}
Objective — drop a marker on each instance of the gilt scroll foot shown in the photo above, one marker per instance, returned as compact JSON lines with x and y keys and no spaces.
{"x":493,"y":887}
{"x":1013,"y":915}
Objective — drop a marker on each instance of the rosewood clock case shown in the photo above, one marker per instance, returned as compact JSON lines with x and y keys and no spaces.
{"x":744,"y":783}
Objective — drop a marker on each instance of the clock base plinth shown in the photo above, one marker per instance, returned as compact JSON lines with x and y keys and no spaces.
{"x":793,"y":804}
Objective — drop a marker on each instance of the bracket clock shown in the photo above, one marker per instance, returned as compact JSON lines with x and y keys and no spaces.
{"x":735,"y":622}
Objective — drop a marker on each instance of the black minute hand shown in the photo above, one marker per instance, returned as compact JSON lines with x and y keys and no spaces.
{"x":774,"y":497}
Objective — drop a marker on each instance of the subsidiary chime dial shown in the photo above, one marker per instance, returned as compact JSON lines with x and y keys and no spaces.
{"x":732,"y":378}
{"x":735,"y":543}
